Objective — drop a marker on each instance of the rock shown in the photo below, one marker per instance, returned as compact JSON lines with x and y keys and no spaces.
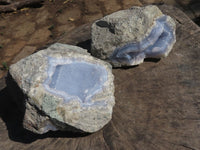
{"x":126,"y":37}
{"x":65,"y":88}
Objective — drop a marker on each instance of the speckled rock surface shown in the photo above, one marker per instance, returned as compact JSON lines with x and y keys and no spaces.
{"x":127,"y":37}
{"x":65,"y":88}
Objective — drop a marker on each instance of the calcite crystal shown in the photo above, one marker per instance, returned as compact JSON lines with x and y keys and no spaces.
{"x":127,"y":37}
{"x":65,"y":88}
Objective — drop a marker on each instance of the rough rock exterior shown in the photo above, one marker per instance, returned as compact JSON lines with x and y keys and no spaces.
{"x":65,"y":88}
{"x":126,"y":37}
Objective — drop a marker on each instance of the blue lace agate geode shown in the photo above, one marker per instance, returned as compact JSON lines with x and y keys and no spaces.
{"x":155,"y":45}
{"x":66,"y":87}
{"x":127,"y":37}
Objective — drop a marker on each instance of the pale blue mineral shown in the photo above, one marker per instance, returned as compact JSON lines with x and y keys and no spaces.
{"x":65,"y":86}
{"x":127,"y":37}
{"x":75,"y":80}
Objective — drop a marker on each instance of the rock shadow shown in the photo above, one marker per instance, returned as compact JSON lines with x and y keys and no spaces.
{"x":12,"y":114}
{"x":155,"y":60}
{"x":86,"y":45}
{"x":197,"y":20}
{"x":125,"y":67}
{"x":193,"y":6}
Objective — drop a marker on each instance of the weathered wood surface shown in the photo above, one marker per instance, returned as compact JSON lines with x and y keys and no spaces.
{"x":157,"y":104}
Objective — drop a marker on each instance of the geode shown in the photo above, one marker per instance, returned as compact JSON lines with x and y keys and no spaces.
{"x":65,"y":88}
{"x":127,"y":37}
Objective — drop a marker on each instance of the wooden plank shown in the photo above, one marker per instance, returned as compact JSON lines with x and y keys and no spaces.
{"x":157,"y":103}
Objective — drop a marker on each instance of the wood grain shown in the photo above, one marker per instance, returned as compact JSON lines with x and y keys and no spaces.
{"x":157,"y":104}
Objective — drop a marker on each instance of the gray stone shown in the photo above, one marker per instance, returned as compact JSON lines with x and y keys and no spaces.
{"x":66,"y":89}
{"x":126,"y":37}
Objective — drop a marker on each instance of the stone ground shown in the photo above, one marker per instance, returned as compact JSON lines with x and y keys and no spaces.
{"x":24,"y":31}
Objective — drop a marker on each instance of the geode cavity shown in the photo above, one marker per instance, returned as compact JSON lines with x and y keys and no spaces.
{"x":127,"y":37}
{"x":65,"y":87}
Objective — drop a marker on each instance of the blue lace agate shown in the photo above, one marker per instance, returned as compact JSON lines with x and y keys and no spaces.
{"x":73,"y":79}
{"x":154,"y":45}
